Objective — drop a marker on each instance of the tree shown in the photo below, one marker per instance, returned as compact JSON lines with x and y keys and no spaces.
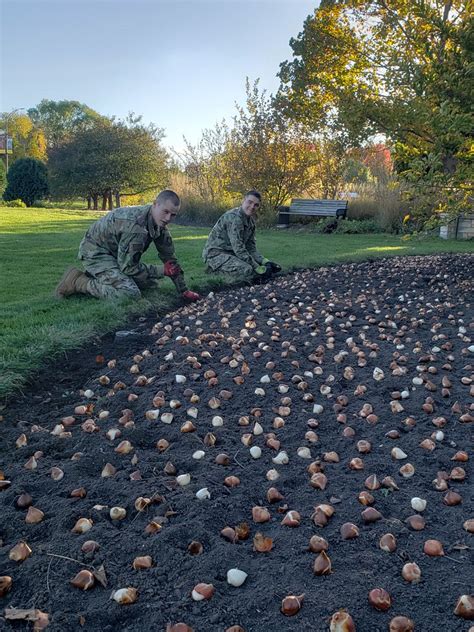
{"x":205,"y":163}
{"x":27,"y":180}
{"x":28,"y":140}
{"x":60,"y":120}
{"x":268,"y":152}
{"x":3,"y":177}
{"x":397,"y":68}
{"x":108,"y":159}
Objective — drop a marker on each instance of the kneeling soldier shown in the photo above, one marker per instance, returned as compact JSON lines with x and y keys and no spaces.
{"x":231,"y":249}
{"x":113,"y":245}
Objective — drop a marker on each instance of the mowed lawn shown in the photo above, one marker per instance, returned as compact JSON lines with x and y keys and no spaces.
{"x":36,"y":245}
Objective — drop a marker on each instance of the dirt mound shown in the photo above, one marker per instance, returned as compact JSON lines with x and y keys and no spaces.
{"x":326,"y":372}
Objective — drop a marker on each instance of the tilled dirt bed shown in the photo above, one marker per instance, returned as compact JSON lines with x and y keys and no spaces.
{"x":265,"y":417}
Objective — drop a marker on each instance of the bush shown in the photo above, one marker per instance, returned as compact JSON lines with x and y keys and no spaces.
{"x":200,"y":213}
{"x":27,"y":180}
{"x":14,"y":204}
{"x":357,"y":226}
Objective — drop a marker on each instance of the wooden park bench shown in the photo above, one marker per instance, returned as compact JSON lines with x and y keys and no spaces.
{"x":311,"y":208}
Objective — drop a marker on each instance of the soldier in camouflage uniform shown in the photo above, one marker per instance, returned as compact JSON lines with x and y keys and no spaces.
{"x":111,"y":249}
{"x":231,"y":249}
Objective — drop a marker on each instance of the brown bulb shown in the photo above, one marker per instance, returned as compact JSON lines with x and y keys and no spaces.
{"x":83,"y":580}
{"x":318,"y":544}
{"x":349,"y":531}
{"x":23,"y":501}
{"x":433,"y":548}
{"x":291,"y":604}
{"x":380,"y":599}
{"x":260,"y":514}
{"x":341,"y":621}
{"x":388,"y":543}
{"x":411,"y":572}
{"x":322,"y":564}
{"x":401,"y":624}
{"x":5,"y":584}
{"x":140,"y":563}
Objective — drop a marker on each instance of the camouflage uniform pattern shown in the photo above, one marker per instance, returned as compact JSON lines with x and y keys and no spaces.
{"x":111,"y":249}
{"x":231,"y":249}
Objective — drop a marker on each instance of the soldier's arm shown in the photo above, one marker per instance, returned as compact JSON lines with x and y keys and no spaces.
{"x":165,"y":248}
{"x":235,"y":230}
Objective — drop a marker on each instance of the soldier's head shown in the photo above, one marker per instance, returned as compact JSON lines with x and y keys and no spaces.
{"x":165,"y":208}
{"x":251,"y":203}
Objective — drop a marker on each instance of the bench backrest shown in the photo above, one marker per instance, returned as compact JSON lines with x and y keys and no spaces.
{"x":318,"y":207}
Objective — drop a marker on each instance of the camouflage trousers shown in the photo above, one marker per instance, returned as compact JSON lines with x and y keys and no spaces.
{"x":111,"y":283}
{"x":231,"y":267}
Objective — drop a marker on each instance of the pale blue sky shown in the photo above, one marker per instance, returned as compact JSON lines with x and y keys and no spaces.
{"x":181,"y":64}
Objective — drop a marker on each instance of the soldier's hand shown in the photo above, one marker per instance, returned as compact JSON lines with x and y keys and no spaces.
{"x":275,"y":267}
{"x":191,"y":296}
{"x":261,"y":269}
{"x":171,"y":269}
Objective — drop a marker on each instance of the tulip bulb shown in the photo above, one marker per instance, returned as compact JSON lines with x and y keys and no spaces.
{"x":380,"y":599}
{"x":183,"y":479}
{"x":291,"y":604}
{"x":203,"y":494}
{"x":83,"y":580}
{"x":5,"y":584}
{"x":202,"y":591}
{"x":83,"y":525}
{"x":341,"y":621}
{"x":125,"y":596}
{"x":20,"y":552}
{"x":118,"y":513}
{"x":411,"y":572}
{"x":465,"y":607}
{"x":388,"y":543}
{"x":140,"y":563}
{"x":236,"y":577}
{"x":322,"y":564}
{"x":34,"y":515}
{"x":401,"y":624}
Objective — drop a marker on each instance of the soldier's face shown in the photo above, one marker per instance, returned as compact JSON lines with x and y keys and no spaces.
{"x":164,"y":213}
{"x":250,"y":205}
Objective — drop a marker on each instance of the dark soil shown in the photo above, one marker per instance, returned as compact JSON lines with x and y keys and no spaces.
{"x":413,"y":313}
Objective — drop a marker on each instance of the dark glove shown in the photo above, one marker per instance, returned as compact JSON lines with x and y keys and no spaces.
{"x":191,"y":296}
{"x":275,"y":267}
{"x":171,"y":269}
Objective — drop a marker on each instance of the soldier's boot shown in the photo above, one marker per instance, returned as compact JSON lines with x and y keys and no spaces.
{"x":73,"y":281}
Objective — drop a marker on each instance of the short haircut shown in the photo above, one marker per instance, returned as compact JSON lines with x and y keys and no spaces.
{"x":255,"y":193}
{"x":166,"y":195}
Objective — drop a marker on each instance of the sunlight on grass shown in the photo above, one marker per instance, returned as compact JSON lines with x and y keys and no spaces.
{"x":190,"y":238}
{"x":384,"y":248}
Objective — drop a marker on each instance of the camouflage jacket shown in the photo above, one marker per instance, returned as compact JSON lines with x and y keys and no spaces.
{"x":234,"y":233}
{"x":124,"y":235}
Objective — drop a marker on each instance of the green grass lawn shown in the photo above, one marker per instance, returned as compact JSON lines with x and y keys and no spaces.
{"x":36,"y":245}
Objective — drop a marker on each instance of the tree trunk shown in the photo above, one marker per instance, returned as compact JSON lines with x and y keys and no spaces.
{"x":89,"y":202}
{"x":105,"y":199}
{"x":95,"y":199}
{"x":110,"y":200}
{"x":117,"y":199}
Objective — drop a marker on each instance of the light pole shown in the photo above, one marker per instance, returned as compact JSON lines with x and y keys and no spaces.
{"x":7,"y":117}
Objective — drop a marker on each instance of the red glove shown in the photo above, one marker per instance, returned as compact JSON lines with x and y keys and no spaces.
{"x":191,"y":296}
{"x":171,"y":269}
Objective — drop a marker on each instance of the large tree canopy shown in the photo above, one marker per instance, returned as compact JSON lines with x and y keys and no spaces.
{"x":61,"y":119}
{"x":112,"y":157}
{"x":401,"y":68}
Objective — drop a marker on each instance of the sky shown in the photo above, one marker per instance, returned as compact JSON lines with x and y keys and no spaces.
{"x":181,"y":64}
